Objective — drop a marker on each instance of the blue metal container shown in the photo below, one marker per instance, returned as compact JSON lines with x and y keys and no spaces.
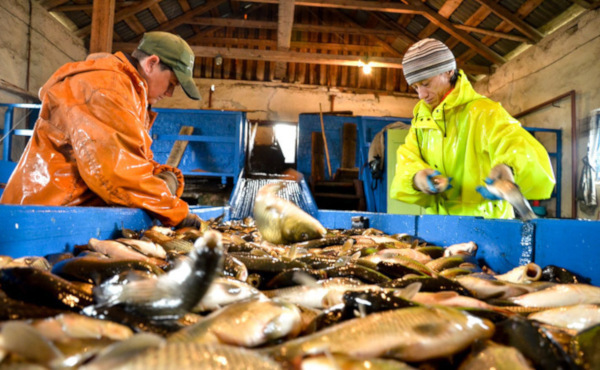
{"x":503,"y":244}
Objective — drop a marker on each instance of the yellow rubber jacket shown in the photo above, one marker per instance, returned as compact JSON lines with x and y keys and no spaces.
{"x":464,"y":137}
{"x":91,"y":146}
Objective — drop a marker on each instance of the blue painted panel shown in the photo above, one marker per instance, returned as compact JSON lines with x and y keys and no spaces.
{"x":499,"y":241}
{"x":390,"y":224}
{"x":571,"y":244}
{"x":334,"y":128}
{"x":6,"y":169}
{"x":37,"y":230}
{"x":220,"y":148}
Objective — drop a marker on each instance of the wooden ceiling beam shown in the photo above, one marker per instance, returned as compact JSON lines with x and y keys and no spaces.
{"x":296,"y":57}
{"x":102,"y":26}
{"x":236,"y":41}
{"x":241,"y":23}
{"x":285,"y":21}
{"x":515,"y":21}
{"x":158,"y":14}
{"x":375,"y":38}
{"x":501,"y":35}
{"x":120,"y":15}
{"x":373,"y":6}
{"x":187,"y":16}
{"x":445,"y":11}
{"x":461,"y":35}
{"x":51,"y":4}
{"x":88,"y":7}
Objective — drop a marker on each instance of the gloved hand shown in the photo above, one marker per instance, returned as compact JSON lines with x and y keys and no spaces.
{"x":429,"y":181}
{"x":501,"y":172}
{"x":191,"y":220}
{"x":485,"y":192}
{"x":171,"y":179}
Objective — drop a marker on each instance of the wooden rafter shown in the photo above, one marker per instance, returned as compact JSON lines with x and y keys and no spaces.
{"x":296,"y":57}
{"x":374,"y":6}
{"x":461,"y":35}
{"x":121,"y":15}
{"x":516,"y":22}
{"x":285,"y":21}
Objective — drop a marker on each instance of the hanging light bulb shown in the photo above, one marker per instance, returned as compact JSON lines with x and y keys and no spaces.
{"x":366,"y":65}
{"x":218,"y":60}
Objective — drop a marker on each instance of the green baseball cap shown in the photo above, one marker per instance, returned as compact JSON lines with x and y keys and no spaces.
{"x":176,"y":53}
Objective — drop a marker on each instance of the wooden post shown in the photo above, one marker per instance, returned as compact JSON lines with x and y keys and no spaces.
{"x":325,"y":140}
{"x":317,"y":168}
{"x":103,"y":20}
{"x":349,"y":146}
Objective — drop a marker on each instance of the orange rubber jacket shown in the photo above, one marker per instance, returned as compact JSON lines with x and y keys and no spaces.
{"x":91,"y":144}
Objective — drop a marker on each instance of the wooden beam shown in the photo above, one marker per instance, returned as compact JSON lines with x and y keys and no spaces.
{"x":374,"y":6}
{"x":285,"y":21}
{"x":241,"y":23}
{"x":296,"y":57}
{"x":501,"y":35}
{"x":375,"y":38}
{"x":516,"y":22}
{"x":88,"y":7}
{"x":158,"y":14}
{"x":445,"y":11}
{"x":16,"y":90}
{"x":461,"y":35}
{"x":120,"y":15}
{"x":187,"y":16}
{"x":102,"y":27}
{"x":50,"y":4}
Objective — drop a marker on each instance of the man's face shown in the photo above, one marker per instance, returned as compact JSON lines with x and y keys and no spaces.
{"x":161,"y":82}
{"x":433,"y":89}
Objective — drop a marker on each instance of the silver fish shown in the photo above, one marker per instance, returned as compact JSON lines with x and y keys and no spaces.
{"x":486,"y":288}
{"x":247,"y":324}
{"x":224,"y":291}
{"x":409,"y":334}
{"x":522,"y":274}
{"x":339,"y":362}
{"x":175,"y":293}
{"x":280,"y":221}
{"x":560,"y":295}
{"x":496,"y":356}
{"x":469,"y":248}
{"x":510,"y":192}
{"x":71,"y":325}
{"x":117,"y":250}
{"x":578,"y":317}
{"x":193,"y":356}
{"x":146,"y":247}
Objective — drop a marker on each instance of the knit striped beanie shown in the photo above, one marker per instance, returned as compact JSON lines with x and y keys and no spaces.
{"x":425,"y":59}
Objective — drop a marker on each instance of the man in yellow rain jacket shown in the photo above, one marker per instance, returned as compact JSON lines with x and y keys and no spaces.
{"x":459,"y":137}
{"x":90,"y":144}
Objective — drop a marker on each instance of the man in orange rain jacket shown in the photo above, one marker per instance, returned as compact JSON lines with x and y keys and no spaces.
{"x":90,"y":145}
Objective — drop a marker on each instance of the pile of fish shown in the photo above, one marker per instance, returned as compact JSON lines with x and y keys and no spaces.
{"x":279,"y":291}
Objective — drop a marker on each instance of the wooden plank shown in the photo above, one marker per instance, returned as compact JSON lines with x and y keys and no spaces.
{"x":120,"y":15}
{"x":501,"y":35}
{"x":445,"y":11}
{"x":158,"y":13}
{"x":136,"y":26}
{"x":179,"y":146}
{"x":516,"y":22}
{"x":464,"y":37}
{"x":374,"y":6}
{"x":285,"y":21}
{"x":101,"y":38}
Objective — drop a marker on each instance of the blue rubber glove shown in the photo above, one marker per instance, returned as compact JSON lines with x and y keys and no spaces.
{"x":485,"y":192}
{"x":430,"y":183}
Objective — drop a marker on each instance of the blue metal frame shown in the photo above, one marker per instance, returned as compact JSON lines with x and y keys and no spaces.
{"x":503,"y":244}
{"x":232,"y":133}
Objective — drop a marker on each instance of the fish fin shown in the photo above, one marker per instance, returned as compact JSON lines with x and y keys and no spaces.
{"x":29,"y":343}
{"x":409,"y":291}
{"x":303,"y":278}
{"x":120,"y":352}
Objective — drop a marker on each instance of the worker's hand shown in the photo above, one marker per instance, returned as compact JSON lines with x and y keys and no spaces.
{"x":171,"y":179}
{"x":485,"y":192}
{"x":501,"y":172}
{"x":191,"y":220}
{"x":429,"y":181}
